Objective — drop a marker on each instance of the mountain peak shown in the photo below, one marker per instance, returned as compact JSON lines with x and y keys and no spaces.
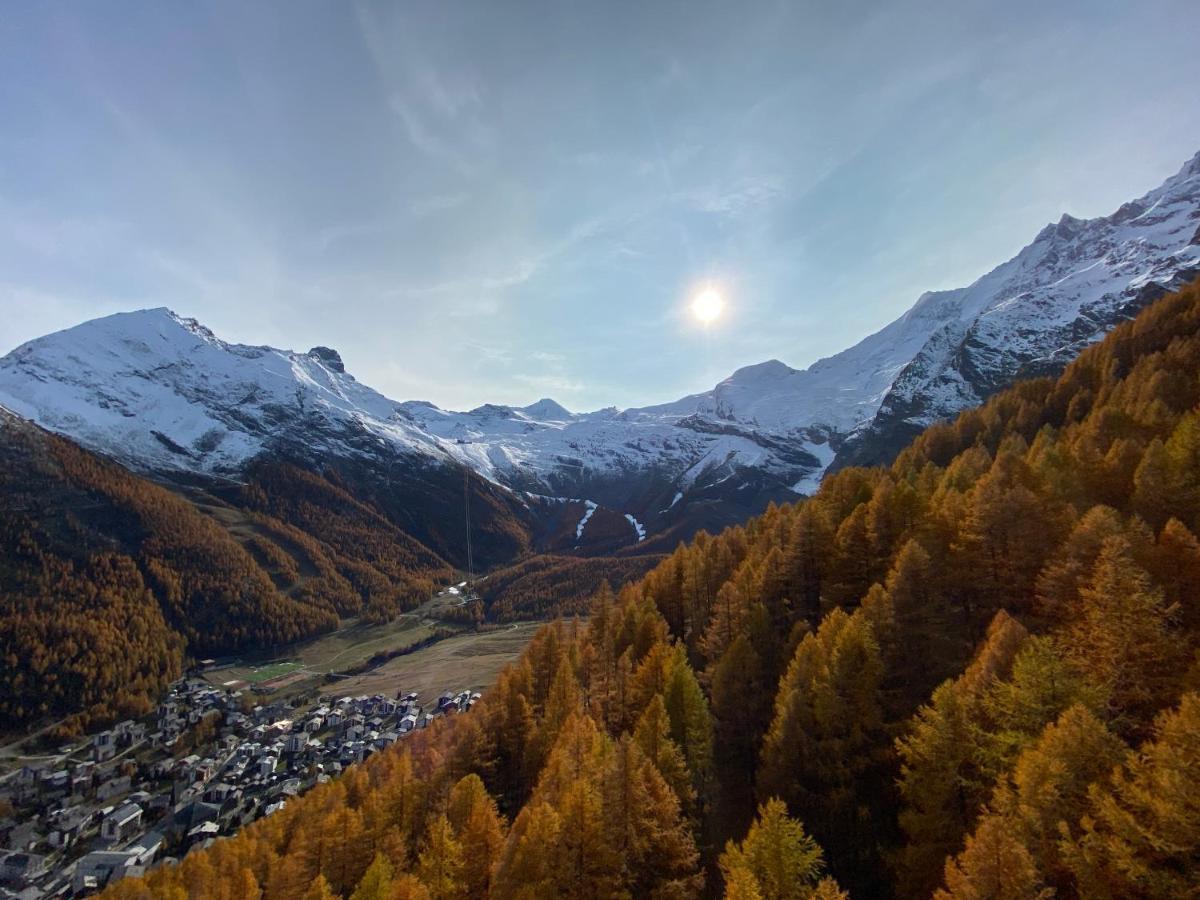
{"x":546,"y":409}
{"x":771,"y":369}
{"x":329,"y":357}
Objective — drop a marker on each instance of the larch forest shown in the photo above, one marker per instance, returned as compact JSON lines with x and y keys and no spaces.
{"x":970,"y":674}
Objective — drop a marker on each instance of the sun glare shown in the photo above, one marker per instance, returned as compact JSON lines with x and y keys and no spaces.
{"x":707,"y":306}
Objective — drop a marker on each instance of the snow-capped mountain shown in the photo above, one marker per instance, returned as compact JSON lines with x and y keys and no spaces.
{"x":1033,"y":314}
{"x":163,"y":393}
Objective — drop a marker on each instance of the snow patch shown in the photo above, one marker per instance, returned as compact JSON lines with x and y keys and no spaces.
{"x":591,"y":508}
{"x":637,"y":526}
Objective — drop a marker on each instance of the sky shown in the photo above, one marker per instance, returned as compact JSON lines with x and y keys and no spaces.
{"x":497,"y":202}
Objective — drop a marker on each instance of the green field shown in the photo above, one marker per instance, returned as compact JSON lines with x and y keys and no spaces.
{"x":267,"y":672}
{"x":464,"y":662}
{"x":351,"y":645}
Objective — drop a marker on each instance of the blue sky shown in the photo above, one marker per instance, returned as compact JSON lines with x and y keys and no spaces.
{"x":503,"y":201}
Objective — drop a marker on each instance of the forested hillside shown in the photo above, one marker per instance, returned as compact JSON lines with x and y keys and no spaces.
{"x":972,"y":674}
{"x":108,"y":582}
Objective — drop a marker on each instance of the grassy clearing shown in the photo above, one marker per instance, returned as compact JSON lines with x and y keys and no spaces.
{"x":349,"y":646}
{"x":273,"y":670}
{"x":468,"y":661}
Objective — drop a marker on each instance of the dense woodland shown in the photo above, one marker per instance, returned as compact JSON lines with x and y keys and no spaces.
{"x":973,"y":674}
{"x":550,"y":585}
{"x":109,"y":582}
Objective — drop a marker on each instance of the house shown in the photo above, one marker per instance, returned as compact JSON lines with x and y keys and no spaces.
{"x":66,"y":828}
{"x":114,"y":787}
{"x":23,"y":836}
{"x":101,"y":867}
{"x":104,"y":746}
{"x":121,"y":824}
{"x":266,"y":765}
{"x":219,"y":792}
{"x":21,"y":868}
{"x":147,"y":847}
{"x":295,"y":743}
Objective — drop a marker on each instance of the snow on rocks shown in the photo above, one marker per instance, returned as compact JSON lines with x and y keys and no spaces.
{"x":637,"y":526}
{"x":590,"y":508}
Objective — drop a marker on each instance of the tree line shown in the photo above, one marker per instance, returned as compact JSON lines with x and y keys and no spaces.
{"x":971,"y":674}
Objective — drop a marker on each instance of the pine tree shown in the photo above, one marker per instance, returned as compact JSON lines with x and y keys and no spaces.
{"x":376,"y":883}
{"x":691,"y":723}
{"x":319,"y":890}
{"x":1141,"y":836}
{"x":1176,"y":561}
{"x":563,"y":700}
{"x":645,"y":829}
{"x":526,"y":867}
{"x":479,"y":828}
{"x":994,"y":866}
{"x":653,"y":737}
{"x":942,"y":782}
{"x":741,"y":701}
{"x":777,"y":860}
{"x":1047,"y":791}
{"x":1155,"y":487}
{"x":1120,"y":636}
{"x":1040,"y":686}
{"x":440,"y":862}
{"x":821,"y":754}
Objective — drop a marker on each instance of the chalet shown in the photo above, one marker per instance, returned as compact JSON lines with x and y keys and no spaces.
{"x":121,"y":824}
{"x":23,"y":836}
{"x":295,"y":743}
{"x":219,"y":793}
{"x":104,"y":746}
{"x":66,"y":827}
{"x":202,"y":833}
{"x":114,"y":787}
{"x":102,"y":867}
{"x":21,"y":868}
{"x":147,"y":847}
{"x":56,"y":784}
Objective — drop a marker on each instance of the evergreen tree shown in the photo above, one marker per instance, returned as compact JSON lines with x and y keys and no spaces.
{"x":777,"y":860}
{"x":821,"y":754}
{"x":440,"y":862}
{"x":376,"y":883}
{"x":1120,"y":636}
{"x":653,"y":737}
{"x":1141,"y":835}
{"x":994,"y":866}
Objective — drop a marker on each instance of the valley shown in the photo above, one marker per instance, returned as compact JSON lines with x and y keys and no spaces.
{"x":228,"y":568}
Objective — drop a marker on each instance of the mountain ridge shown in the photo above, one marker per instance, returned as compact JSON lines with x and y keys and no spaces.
{"x":162,"y":392}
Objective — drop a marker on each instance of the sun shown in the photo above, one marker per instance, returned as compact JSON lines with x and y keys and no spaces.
{"x":707,"y":306}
